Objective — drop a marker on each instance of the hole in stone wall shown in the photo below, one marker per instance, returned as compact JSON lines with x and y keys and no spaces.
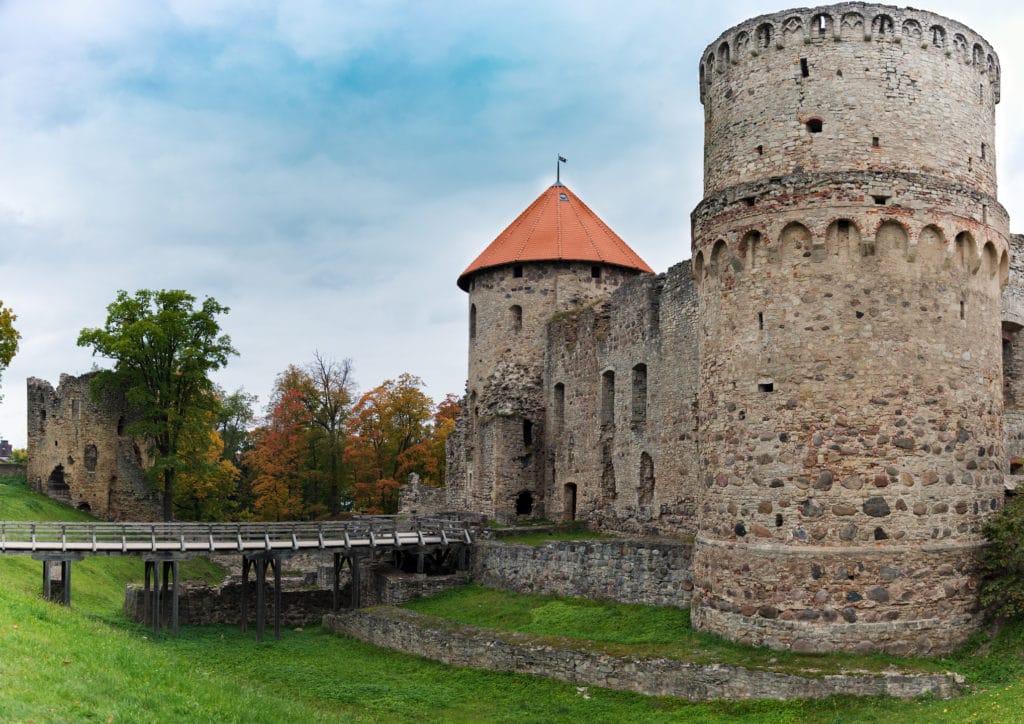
{"x":874,"y":141}
{"x":859,"y":315}
{"x":569,"y":496}
{"x":760,"y":150}
{"x":91,"y":456}
{"x":517,"y":271}
{"x":983,"y":149}
{"x":961,"y":310}
{"x":559,"y":405}
{"x":839,"y":74}
{"x":804,"y":70}
{"x":524,"y":503}
{"x":766,"y":387}
{"x":760,"y":320}
{"x":56,"y":480}
{"x":595,"y":272}
{"x":608,"y":399}
{"x":639,"y":394}
{"x":1016,"y":468}
{"x":517,"y":317}
{"x":120,"y":426}
{"x":527,"y":433}
{"x":749,"y":200}
{"x":814,"y":125}
{"x":778,"y":520}
{"x":879,"y":199}
{"x":85,"y":507}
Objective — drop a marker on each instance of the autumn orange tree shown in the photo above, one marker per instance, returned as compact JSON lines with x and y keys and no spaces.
{"x":278,"y":459}
{"x":390,"y":435}
{"x":206,"y":490}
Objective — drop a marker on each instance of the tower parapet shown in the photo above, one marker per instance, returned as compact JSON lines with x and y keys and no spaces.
{"x":849,"y":256}
{"x":849,"y":86}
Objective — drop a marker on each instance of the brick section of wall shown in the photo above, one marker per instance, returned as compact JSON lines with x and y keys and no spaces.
{"x":78,"y":452}
{"x":456,"y":645}
{"x":649,"y":571}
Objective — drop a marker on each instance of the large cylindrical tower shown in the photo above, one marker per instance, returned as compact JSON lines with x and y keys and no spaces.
{"x":849,"y":255}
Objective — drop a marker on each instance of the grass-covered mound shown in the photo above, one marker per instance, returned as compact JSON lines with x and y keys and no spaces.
{"x":90,"y":664}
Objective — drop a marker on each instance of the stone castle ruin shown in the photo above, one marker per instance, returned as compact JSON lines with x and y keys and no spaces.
{"x":78,"y":452}
{"x":824,"y":397}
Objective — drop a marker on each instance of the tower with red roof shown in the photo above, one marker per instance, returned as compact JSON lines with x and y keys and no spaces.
{"x":557,"y":256}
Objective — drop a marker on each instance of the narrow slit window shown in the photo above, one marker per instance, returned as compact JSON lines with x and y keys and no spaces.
{"x":760,"y":150}
{"x":517,"y":271}
{"x":961,"y":310}
{"x":983,"y":151}
{"x":766,"y":387}
{"x":608,"y":399}
{"x":595,"y":272}
{"x":880,"y":200}
{"x":517,"y":318}
{"x":640,"y":394}
{"x":874,"y":142}
{"x":760,"y":320}
{"x":472,"y":321}
{"x":527,"y":433}
{"x":804,"y":70}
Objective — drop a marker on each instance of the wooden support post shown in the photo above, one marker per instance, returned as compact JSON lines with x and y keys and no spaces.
{"x":174,"y":595}
{"x":46,"y":580}
{"x":336,"y":583}
{"x":275,"y":563}
{"x":246,"y":562}
{"x":261,"y":581}
{"x":156,"y":600}
{"x":65,"y":574}
{"x":146,"y":612}
{"x":353,"y":564}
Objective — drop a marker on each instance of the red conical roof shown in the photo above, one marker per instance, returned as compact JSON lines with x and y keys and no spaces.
{"x":557,"y":226}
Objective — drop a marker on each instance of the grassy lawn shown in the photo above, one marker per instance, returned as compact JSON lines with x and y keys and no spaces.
{"x":90,"y":664}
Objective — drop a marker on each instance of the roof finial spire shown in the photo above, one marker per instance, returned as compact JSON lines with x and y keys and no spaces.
{"x":558,"y":170}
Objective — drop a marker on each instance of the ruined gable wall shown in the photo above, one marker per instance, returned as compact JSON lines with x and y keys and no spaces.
{"x":631,"y":456}
{"x":77,"y":453}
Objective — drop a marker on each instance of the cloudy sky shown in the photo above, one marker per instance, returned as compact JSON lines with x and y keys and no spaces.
{"x":326,"y":169}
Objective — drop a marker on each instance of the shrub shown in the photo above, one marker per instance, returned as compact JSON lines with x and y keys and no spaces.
{"x":1002,"y":564}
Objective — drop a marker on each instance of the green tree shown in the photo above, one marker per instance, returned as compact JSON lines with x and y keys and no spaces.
{"x":233,"y":421}
{"x":1002,"y":562}
{"x":9,"y":336}
{"x":164,"y":349}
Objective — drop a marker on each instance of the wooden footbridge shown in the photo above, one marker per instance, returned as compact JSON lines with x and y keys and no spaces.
{"x":162,"y":546}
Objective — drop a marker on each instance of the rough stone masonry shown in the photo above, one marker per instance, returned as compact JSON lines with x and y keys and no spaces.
{"x":827,"y":397}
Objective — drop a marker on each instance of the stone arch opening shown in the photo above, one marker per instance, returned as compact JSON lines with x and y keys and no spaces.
{"x":792,"y":26}
{"x":524,"y":503}
{"x":645,"y":491}
{"x":891,"y":239}
{"x":912,"y":31}
{"x":795,"y":241}
{"x":822,"y":24}
{"x":965,"y":252}
{"x":990,"y":259}
{"x":723,"y":57}
{"x":938,"y":34}
{"x":56,"y":482}
{"x":852,"y":25}
{"x":752,"y":249}
{"x":1004,"y":268}
{"x":931,"y":245}
{"x":978,"y":56}
{"x":764,"y":34}
{"x":842,"y":237}
{"x":882,"y":25}
{"x":120,"y":426}
{"x":639,"y":394}
{"x":699,"y":271}
{"x":569,"y":501}
{"x":84,"y":507}
{"x":719,"y":252}
{"x":608,"y":399}
{"x":814,"y":125}
{"x":558,"y":408}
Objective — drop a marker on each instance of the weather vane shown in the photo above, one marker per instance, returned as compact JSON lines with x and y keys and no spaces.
{"x":558,"y":170}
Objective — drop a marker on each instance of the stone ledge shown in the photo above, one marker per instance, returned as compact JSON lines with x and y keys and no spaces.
{"x":458,"y":645}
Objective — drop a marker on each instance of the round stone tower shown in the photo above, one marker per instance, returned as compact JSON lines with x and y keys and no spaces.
{"x":849,"y":255}
{"x":556,"y":256}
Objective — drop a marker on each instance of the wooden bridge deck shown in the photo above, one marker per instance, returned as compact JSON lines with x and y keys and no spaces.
{"x":261,"y":545}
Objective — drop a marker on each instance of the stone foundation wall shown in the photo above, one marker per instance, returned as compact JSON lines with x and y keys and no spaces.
{"x":652,"y":572}
{"x":456,"y":645}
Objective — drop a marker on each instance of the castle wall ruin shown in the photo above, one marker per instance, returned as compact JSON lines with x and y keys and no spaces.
{"x":79,"y":454}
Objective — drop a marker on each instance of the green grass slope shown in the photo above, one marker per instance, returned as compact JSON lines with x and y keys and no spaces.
{"x":88,"y":663}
